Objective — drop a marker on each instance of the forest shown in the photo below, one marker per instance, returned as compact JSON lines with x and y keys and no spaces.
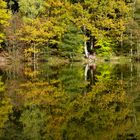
{"x":49,"y":90}
{"x":33,"y":30}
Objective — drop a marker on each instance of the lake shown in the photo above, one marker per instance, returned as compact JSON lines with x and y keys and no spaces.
{"x":70,"y":102}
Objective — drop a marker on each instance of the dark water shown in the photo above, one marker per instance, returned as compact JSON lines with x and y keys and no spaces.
{"x":70,"y":102}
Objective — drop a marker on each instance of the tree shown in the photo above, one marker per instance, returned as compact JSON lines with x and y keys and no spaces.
{"x":102,"y":21}
{"x":5,"y":107}
{"x":46,"y":29}
{"x":72,"y":42}
{"x":31,"y":8}
{"x":4,"y":16}
{"x":49,"y":23}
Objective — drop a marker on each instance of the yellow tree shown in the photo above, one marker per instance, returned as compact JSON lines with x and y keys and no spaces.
{"x":5,"y":107}
{"x":4,"y":16}
{"x":103,"y":22}
{"x":43,"y":29}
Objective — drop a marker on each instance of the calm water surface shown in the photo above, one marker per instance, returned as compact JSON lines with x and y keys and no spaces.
{"x":70,"y":102}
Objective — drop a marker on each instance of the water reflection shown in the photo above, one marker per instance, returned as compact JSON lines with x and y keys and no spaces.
{"x":91,"y":102}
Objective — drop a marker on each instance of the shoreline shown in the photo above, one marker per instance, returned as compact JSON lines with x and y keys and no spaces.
{"x":56,"y":60}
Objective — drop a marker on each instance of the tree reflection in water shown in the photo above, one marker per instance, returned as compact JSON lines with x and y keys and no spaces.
{"x":44,"y":110}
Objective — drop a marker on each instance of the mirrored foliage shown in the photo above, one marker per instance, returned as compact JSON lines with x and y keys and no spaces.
{"x":63,"y":104}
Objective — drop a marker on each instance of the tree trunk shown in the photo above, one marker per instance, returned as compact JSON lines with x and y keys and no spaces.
{"x":91,"y":43}
{"x":86,"y":50}
{"x":86,"y":71}
{"x":85,"y":43}
{"x":34,"y":58}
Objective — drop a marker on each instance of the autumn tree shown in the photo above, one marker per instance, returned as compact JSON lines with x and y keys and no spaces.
{"x":31,"y":8}
{"x":4,"y":16}
{"x":101,"y":24}
{"x":46,"y":29}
